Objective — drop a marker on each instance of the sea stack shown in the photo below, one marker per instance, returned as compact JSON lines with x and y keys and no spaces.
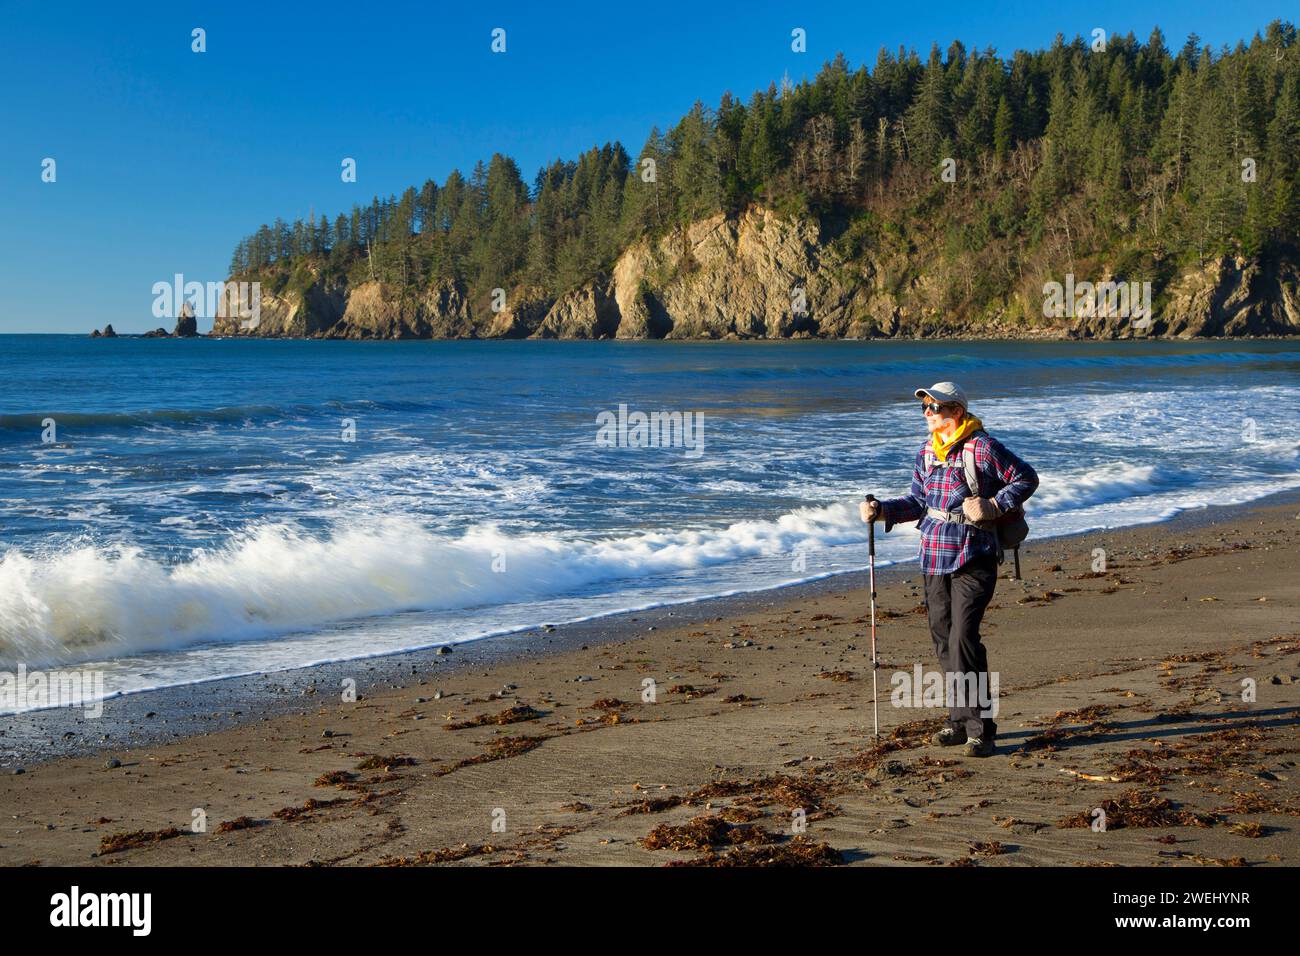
{"x":187,"y":326}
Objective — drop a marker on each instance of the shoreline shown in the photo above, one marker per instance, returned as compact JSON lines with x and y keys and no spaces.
{"x":1119,"y":689}
{"x":1052,"y":335}
{"x":167,"y":714}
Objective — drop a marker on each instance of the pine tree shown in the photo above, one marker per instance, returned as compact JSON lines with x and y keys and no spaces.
{"x":1003,"y":129}
{"x":929,"y":121}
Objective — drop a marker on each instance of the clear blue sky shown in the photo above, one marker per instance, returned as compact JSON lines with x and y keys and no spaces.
{"x":167,"y":157}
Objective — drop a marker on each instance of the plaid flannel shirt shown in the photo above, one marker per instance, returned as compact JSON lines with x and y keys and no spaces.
{"x":946,"y":546}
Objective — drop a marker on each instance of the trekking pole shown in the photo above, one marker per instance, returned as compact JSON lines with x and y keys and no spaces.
{"x":871,"y":554}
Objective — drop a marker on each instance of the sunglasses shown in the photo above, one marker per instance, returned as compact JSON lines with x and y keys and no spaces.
{"x":932,"y":407}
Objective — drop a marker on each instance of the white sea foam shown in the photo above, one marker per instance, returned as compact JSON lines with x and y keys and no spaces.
{"x":87,"y":602}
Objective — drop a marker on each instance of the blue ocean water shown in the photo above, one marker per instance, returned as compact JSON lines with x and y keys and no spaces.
{"x":178,"y":510}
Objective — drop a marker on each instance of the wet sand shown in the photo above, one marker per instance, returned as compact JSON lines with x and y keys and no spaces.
{"x":1120,"y":690}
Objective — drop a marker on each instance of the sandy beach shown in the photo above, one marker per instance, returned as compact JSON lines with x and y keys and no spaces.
{"x":1120,"y":690}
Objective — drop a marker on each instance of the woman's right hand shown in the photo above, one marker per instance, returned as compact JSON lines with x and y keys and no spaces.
{"x":871,"y":511}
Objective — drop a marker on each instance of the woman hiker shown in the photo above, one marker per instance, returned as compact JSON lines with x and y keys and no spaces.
{"x":959,"y":547}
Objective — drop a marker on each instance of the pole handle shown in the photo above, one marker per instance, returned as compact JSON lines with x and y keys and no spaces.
{"x":871,"y":532}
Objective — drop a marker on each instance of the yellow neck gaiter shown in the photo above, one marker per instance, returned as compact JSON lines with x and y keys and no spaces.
{"x":942,"y":446}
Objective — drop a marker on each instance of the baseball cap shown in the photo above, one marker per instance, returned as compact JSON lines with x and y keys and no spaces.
{"x":944,"y":393}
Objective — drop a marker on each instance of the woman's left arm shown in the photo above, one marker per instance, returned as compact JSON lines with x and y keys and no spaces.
{"x":1019,"y":479}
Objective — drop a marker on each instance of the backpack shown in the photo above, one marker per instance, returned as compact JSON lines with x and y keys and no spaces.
{"x":1011,"y":528}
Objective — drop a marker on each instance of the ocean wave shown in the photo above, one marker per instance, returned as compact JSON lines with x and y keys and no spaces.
{"x":34,"y":421}
{"x":92,"y":601}
{"x":88,"y":601}
{"x":1101,"y":484}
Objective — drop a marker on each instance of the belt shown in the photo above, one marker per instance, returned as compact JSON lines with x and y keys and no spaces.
{"x":957,"y":517}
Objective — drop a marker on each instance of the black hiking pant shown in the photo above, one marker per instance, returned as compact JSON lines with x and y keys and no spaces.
{"x":956,"y":604}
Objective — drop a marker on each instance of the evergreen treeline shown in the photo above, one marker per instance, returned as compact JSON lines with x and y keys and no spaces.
{"x":1148,"y":144}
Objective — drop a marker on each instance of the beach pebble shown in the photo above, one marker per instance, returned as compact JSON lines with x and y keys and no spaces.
{"x":583,"y":678}
{"x":445,"y":649}
{"x":421,"y":700}
{"x":112,"y":763}
{"x":437,"y":695}
{"x":19,"y":770}
{"x":327,"y":733}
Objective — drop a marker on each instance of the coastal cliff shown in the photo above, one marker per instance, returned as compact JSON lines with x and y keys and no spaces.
{"x":760,"y":275}
{"x":1121,"y":189}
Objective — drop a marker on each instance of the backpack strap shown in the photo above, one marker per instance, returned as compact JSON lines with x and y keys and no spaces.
{"x":968,"y":465}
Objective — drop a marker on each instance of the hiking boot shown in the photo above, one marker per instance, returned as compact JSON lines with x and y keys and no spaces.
{"x":949,"y":737}
{"x":979,"y":747}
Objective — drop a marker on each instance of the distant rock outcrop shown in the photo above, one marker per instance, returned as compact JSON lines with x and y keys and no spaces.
{"x":108,"y":333}
{"x":187,"y":326}
{"x":157,"y":334}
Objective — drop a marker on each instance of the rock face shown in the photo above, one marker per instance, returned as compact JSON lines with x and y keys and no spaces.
{"x":760,"y":275}
{"x":374,"y":311}
{"x":108,"y":333}
{"x":187,"y":326}
{"x":1235,"y":297}
{"x":526,"y":309}
{"x":586,"y":313}
{"x":285,"y":315}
